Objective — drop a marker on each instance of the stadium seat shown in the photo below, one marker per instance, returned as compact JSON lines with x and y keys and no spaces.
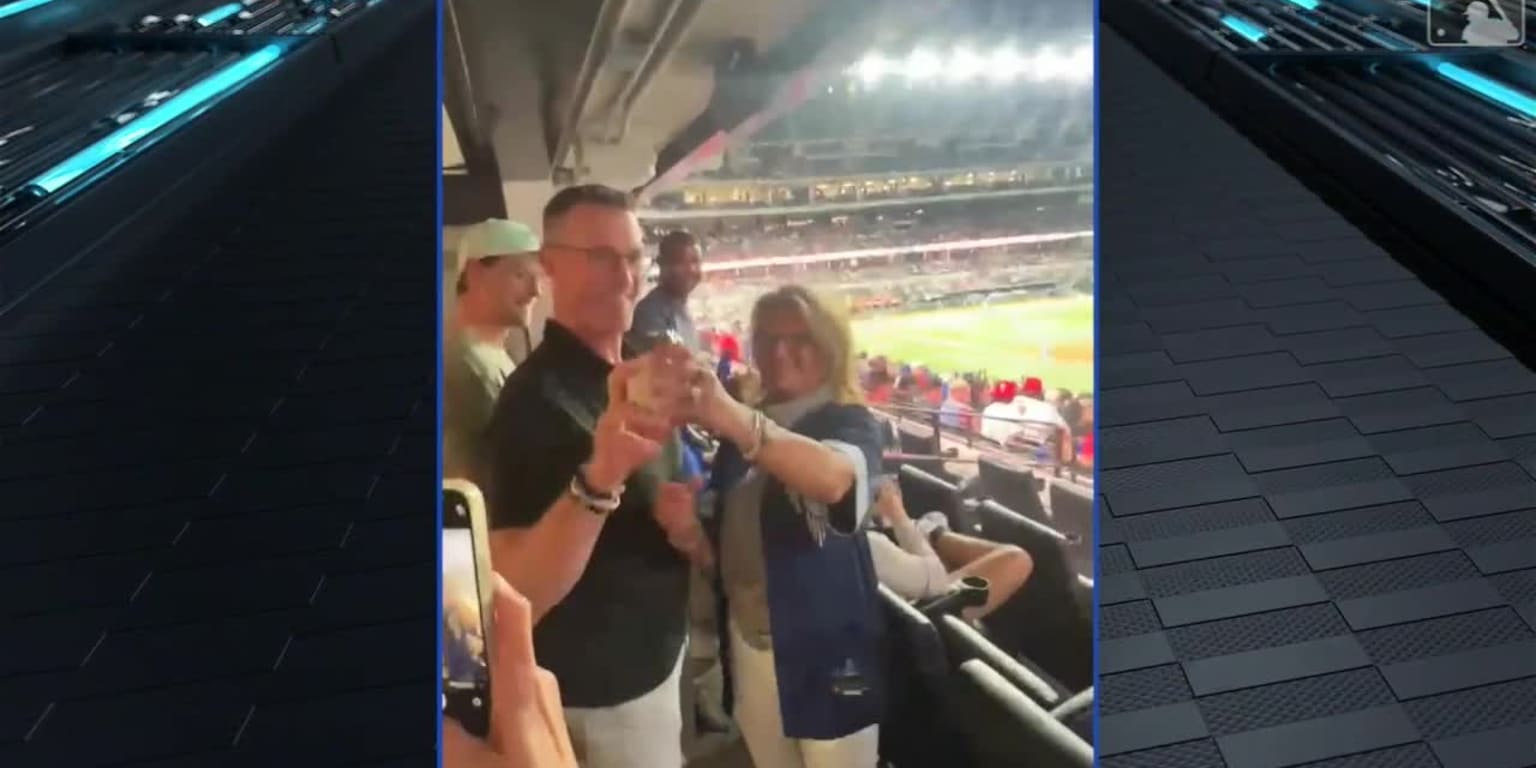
{"x":1082,"y":588}
{"x":1045,"y":621}
{"x":962,"y":643}
{"x":917,"y":679}
{"x":1072,"y":514}
{"x":1006,"y":728}
{"x":919,"y":443}
{"x":923,"y":493}
{"x":1072,"y":510}
{"x":1014,"y":488}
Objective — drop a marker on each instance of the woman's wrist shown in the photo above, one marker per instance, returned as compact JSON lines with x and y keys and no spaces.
{"x":737,"y":426}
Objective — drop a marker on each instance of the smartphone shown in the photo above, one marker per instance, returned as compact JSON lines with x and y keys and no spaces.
{"x":467,"y":600}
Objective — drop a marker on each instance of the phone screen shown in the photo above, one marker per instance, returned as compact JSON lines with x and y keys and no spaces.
{"x":466,"y":669}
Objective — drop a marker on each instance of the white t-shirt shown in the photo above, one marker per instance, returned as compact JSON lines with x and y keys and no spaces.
{"x":1027,"y":420}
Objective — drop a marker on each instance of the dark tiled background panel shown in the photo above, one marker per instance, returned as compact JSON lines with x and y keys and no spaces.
{"x":217,"y":485}
{"x":1318,"y":520}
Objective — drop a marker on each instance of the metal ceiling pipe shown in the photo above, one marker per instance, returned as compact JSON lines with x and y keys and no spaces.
{"x":675,"y":23}
{"x":459,"y":78}
{"x":599,"y":47}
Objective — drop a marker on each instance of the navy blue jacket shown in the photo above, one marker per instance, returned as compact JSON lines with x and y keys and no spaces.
{"x":824,"y":610}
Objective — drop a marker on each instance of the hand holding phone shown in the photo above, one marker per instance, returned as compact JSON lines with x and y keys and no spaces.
{"x":488,"y":656}
{"x":467,"y":607}
{"x":528,"y":728}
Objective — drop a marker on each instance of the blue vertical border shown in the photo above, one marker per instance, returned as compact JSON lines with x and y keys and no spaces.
{"x":1098,"y":238}
{"x":437,"y":492}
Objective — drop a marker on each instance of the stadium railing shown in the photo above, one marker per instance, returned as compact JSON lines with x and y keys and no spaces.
{"x":964,"y":643}
{"x":929,"y":434}
{"x":1007,"y":728}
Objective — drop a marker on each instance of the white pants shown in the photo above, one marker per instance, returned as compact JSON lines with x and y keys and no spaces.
{"x":644,"y":732}
{"x":757,"y":712}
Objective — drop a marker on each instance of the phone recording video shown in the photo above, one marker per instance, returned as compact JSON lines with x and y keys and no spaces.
{"x":466,"y":608}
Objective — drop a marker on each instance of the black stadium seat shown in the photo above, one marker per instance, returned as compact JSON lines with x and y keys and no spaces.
{"x":1072,"y":514}
{"x":917,"y":678}
{"x":1045,"y":621}
{"x":923,"y":492}
{"x":963,"y":643}
{"x":1082,"y":587}
{"x":1006,"y":728}
{"x":1072,"y":509}
{"x":920,"y":443}
{"x":1016,"y":489}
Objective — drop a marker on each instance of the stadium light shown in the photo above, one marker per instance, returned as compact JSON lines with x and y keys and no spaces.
{"x":1007,"y":64}
{"x":871,"y":68}
{"x":1002,"y":65}
{"x":1081,"y":65}
{"x":964,"y":65}
{"x":922,"y":65}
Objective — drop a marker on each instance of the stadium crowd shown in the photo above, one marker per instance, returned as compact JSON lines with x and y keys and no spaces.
{"x":658,"y":489}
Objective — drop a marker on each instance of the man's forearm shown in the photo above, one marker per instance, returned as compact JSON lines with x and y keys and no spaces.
{"x":545,"y":561}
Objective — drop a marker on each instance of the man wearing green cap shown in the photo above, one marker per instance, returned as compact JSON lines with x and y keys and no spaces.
{"x":496,"y":283}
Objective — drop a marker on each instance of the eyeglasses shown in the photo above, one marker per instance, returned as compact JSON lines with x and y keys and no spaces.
{"x":768,"y":341}
{"x":605,"y":255}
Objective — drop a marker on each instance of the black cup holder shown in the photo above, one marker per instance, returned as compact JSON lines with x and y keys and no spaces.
{"x":971,"y":592}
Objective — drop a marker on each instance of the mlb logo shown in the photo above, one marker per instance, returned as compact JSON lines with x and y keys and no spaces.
{"x":1474,"y":23}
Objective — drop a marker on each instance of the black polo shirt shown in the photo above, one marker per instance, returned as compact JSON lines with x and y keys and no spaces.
{"x":619,"y":632}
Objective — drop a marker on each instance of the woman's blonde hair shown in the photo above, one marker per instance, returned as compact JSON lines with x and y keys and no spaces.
{"x":830,"y":332}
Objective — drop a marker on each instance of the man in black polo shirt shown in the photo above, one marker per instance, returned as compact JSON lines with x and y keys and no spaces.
{"x":575,"y":474}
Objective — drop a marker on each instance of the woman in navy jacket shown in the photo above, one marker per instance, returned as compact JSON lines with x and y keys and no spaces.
{"x":791,"y":488}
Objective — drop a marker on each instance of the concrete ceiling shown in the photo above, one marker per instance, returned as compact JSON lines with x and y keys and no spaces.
{"x":630,"y":92}
{"x":594,"y":89}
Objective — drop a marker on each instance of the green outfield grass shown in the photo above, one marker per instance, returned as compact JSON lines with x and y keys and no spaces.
{"x":1048,"y":338}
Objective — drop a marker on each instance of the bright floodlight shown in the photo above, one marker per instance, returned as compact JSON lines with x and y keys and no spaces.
{"x":922,"y":65}
{"x":965,"y":65}
{"x":1049,"y":65}
{"x":871,"y":69}
{"x":1006,"y":64}
{"x":1080,"y":67}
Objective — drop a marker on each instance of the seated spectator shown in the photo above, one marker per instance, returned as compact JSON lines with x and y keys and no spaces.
{"x":927,"y":559}
{"x":1041,"y":428}
{"x":956,"y":411}
{"x":1084,"y":456}
{"x":1000,"y":418}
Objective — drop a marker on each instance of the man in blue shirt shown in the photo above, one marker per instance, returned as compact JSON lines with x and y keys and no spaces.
{"x":664,"y":310}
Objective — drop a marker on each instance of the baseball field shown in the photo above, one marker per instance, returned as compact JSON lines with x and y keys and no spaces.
{"x":1048,"y":338}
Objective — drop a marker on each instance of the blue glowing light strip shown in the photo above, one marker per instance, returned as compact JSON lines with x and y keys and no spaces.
{"x":1488,"y":88}
{"x":178,"y":105}
{"x":1310,"y":5}
{"x":18,"y":7}
{"x":218,"y":14}
{"x":1249,"y":30}
{"x":1386,"y":42}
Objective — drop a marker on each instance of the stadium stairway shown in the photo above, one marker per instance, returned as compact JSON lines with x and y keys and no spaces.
{"x":216,"y":514}
{"x":1318,"y":477}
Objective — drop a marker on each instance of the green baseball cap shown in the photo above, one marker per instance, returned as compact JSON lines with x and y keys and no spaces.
{"x":495,"y":237}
